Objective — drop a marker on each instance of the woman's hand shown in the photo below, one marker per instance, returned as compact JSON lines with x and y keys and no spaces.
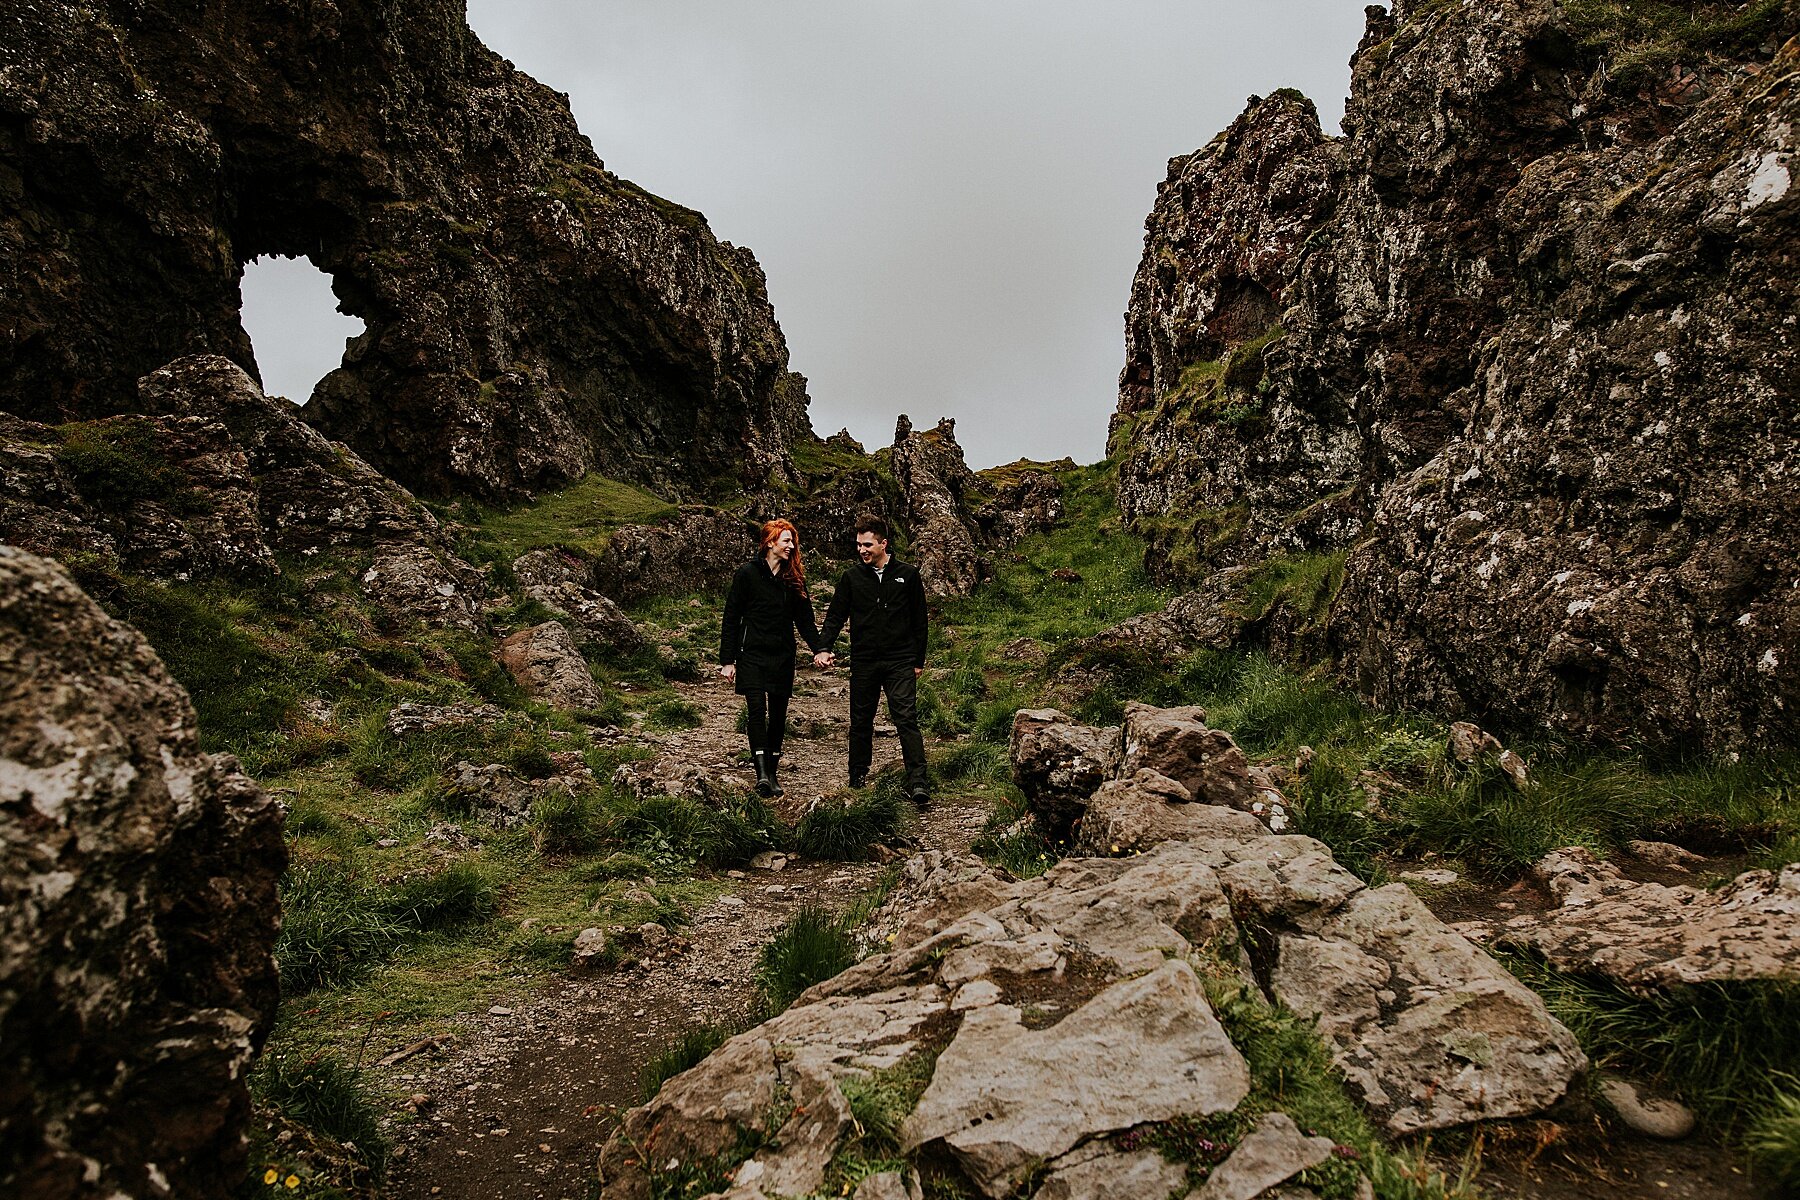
{"x":729,"y":672}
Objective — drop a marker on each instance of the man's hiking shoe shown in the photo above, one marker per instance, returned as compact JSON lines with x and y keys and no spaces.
{"x":921,"y":798}
{"x":858,"y":782}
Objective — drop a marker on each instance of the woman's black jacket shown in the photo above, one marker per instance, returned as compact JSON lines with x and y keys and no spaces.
{"x":761,"y":614}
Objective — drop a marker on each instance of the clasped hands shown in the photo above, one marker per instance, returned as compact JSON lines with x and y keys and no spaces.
{"x":824,"y":659}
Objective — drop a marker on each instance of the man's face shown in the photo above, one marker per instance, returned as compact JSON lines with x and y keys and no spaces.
{"x":871,"y":549}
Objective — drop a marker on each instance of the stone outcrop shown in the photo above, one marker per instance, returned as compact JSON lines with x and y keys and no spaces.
{"x":1517,"y":344}
{"x":530,"y":316}
{"x":138,"y":913}
{"x":215,"y":478}
{"x":1218,"y":462}
{"x":563,"y":584}
{"x":1043,"y":1017}
{"x":1164,"y":775}
{"x":1645,"y":935}
{"x":957,"y":517}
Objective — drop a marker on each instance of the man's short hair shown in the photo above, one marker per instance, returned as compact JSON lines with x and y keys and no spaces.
{"x":870,"y":523}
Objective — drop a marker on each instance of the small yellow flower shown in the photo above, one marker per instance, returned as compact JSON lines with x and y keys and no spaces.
{"x":271,"y":1175}
{"x":291,"y":1182}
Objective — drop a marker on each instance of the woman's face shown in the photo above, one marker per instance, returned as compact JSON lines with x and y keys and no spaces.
{"x":784,"y":545}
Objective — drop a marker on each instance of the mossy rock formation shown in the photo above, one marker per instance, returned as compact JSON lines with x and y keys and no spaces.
{"x":530,"y":316}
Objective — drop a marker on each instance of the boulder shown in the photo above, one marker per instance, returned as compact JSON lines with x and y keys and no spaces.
{"x":1128,"y":816}
{"x":1004,"y":1097}
{"x":138,"y":913}
{"x":1643,"y":935}
{"x":545,"y":661}
{"x":560,"y":582}
{"x":1273,"y":1152}
{"x":696,"y":549}
{"x":1059,"y":764}
{"x":216,"y":478}
{"x":1668,"y":1120}
{"x":1176,"y":742}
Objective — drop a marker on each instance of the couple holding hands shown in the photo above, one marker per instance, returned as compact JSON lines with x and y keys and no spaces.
{"x":883,"y":600}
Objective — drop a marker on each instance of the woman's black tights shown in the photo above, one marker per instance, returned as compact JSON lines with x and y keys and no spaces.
{"x":767,"y":720}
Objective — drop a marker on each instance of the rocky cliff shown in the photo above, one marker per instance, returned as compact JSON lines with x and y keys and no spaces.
{"x":530,"y":316}
{"x":1520,"y":347}
{"x":137,"y":912}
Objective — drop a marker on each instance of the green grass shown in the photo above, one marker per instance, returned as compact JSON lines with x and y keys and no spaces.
{"x":580,"y":518}
{"x":1726,"y":1048}
{"x":685,"y":1052}
{"x":1773,"y":1139}
{"x":326,"y":1097}
{"x":844,"y":827}
{"x":812,"y":947}
{"x":1291,"y":1071}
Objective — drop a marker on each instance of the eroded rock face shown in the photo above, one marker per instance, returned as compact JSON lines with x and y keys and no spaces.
{"x":138,"y":912}
{"x":530,"y":315}
{"x":563,"y":584}
{"x":1214,"y":456}
{"x":696,"y":549}
{"x":1534,"y":359}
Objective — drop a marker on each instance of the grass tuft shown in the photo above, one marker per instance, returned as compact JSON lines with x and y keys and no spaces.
{"x":333,"y":927}
{"x":685,"y":1052}
{"x":1726,"y":1048}
{"x":844,"y":830}
{"x":327,"y":1097}
{"x":812,"y":947}
{"x":1773,"y":1139}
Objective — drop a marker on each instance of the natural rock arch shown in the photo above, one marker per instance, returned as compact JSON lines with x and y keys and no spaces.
{"x":530,"y":315}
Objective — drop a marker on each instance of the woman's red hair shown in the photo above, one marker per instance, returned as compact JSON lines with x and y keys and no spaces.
{"x":793,"y":570}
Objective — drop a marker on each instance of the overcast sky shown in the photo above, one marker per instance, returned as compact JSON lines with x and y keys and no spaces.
{"x":948,"y":197}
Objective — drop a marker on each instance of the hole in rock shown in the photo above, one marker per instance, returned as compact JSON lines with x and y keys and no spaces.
{"x":291,"y":315}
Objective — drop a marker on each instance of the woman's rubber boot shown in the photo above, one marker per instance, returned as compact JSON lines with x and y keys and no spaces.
{"x":774,"y":767}
{"x":765,"y":774}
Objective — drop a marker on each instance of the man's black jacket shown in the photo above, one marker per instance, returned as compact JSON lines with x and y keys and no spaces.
{"x":886,"y":615}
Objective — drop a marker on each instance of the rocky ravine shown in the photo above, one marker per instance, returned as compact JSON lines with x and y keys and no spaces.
{"x":1522,"y":344}
{"x":1052,"y":1016}
{"x":530,"y":315}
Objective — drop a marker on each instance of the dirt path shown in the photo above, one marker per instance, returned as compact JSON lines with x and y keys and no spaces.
{"x":520,"y":1104}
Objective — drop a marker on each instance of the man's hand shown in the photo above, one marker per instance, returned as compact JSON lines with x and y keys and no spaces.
{"x":824,"y":659}
{"x":918,"y":671}
{"x":729,"y":672}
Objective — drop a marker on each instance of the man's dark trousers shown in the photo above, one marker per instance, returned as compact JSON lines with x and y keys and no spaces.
{"x":902,"y":688}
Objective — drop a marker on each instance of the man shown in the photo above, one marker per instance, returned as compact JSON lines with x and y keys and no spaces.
{"x":884,"y":601}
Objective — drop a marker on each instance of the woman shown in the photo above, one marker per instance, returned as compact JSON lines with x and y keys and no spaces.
{"x":768,"y":601}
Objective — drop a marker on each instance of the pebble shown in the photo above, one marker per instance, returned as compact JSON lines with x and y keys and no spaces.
{"x":1435,"y":877}
{"x":499,"y":1010}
